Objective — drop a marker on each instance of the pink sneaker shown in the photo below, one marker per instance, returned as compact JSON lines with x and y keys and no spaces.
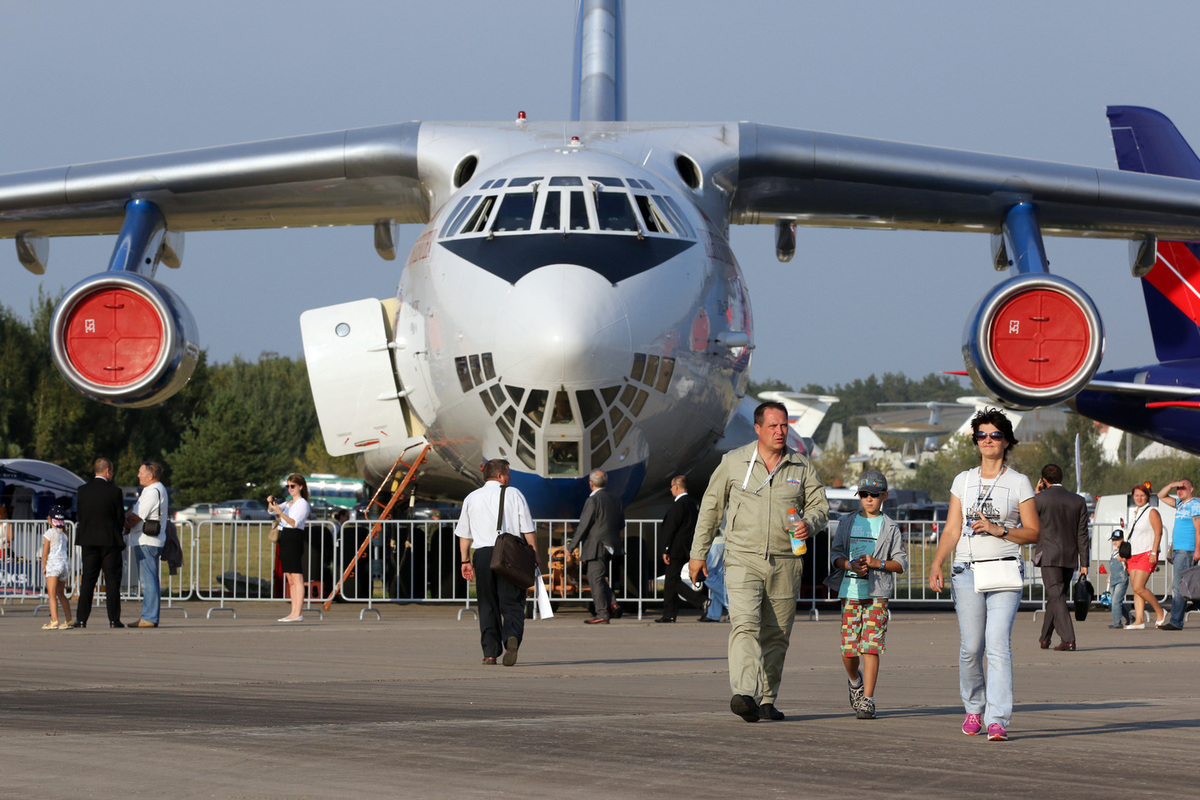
{"x":971,"y":725}
{"x":996,"y":733}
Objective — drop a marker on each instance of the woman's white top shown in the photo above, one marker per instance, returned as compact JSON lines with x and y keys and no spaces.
{"x":1141,"y":535}
{"x":997,"y":500}
{"x":296,"y":509}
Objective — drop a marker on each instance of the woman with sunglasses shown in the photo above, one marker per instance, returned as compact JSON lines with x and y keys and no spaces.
{"x":293,"y":515}
{"x":1145,"y":537}
{"x":991,"y":515}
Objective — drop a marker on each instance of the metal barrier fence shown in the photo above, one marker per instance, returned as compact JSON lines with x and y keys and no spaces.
{"x":417,"y":562}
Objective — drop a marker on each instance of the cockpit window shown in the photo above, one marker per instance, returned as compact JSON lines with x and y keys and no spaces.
{"x":578,"y":212}
{"x":552,"y":212}
{"x":562,"y":409}
{"x":478,"y":221}
{"x":515,"y":212}
{"x":460,"y":212}
{"x":566,"y":180}
{"x":677,"y":215}
{"x":606,"y":181}
{"x":615,"y":213}
{"x":656,"y":221}
{"x":520,"y":182}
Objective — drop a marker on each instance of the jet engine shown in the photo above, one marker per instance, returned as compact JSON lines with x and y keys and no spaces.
{"x":124,"y":339}
{"x":1033,"y":341}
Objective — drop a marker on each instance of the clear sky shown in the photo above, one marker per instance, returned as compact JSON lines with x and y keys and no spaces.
{"x":92,"y":81}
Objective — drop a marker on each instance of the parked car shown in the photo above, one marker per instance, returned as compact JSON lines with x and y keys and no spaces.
{"x":319,"y":508}
{"x":922,"y":519}
{"x":241,"y":511}
{"x":196,"y":512}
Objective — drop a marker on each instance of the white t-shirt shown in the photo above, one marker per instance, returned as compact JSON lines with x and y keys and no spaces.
{"x":151,"y":505}
{"x":1001,"y":506}
{"x":298,"y":510}
{"x":478,"y":518}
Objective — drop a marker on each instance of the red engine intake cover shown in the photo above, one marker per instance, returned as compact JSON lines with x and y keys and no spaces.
{"x":113,"y":337}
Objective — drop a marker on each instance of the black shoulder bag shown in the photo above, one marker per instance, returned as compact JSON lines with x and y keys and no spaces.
{"x":513,"y":558}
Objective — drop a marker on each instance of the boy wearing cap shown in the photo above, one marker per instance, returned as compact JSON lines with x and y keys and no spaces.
{"x":1118,"y":581}
{"x":867,"y":551}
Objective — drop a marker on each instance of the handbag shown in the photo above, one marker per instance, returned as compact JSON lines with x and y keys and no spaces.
{"x":1083,"y":595}
{"x":1189,"y":584}
{"x":273,"y":536}
{"x":513,"y":558}
{"x":151,"y":527}
{"x":998,"y":575}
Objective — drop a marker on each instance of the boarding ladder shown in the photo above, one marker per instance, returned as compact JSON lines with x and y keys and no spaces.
{"x":410,"y":470}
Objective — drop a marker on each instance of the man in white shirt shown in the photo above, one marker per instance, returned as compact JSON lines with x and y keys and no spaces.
{"x":150,"y":511}
{"x":501,"y":604}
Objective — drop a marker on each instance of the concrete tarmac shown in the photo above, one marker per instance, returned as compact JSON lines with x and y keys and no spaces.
{"x":402,"y":707}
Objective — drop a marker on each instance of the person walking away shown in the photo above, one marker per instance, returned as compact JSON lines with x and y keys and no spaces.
{"x":753,"y":487}
{"x":598,"y":535}
{"x":867,"y":552}
{"x":492,"y":509}
{"x":101,"y":540}
{"x":1185,"y":544}
{"x":675,"y":536}
{"x":1063,"y":544}
{"x":55,"y":566}
{"x":147,"y":526}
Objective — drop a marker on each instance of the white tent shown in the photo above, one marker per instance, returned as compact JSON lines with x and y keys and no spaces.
{"x":31,"y":477}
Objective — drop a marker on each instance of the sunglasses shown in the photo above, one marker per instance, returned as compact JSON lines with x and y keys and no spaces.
{"x":293,"y":486}
{"x":872,"y":495}
{"x":980,"y":435}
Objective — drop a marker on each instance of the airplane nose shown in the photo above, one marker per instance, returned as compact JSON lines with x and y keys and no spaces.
{"x":563,"y":323}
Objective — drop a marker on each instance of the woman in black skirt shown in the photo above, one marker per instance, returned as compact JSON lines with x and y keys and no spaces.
{"x":293,"y":515}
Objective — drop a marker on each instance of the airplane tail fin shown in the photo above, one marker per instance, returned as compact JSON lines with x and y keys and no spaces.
{"x":598,"y":72}
{"x":1147,"y":141}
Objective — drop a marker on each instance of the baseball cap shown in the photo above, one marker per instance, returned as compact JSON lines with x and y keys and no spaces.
{"x":872,"y":481}
{"x":58,"y":516}
{"x":1117,"y":536}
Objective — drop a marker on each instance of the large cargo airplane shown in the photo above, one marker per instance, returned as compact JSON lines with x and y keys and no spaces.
{"x":572,"y":301}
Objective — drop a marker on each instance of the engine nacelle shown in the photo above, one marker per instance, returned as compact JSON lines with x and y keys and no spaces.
{"x":1033,"y":341}
{"x":124,"y":339}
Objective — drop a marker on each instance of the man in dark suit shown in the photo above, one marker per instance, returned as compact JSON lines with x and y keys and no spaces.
{"x":675,"y":535}
{"x":1062,"y":546}
{"x":101,"y":540}
{"x":599,"y":530}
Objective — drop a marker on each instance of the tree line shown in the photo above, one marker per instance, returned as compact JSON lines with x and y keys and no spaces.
{"x":233,"y":431}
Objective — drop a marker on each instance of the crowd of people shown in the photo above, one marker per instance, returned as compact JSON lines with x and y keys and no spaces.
{"x":746,"y":540}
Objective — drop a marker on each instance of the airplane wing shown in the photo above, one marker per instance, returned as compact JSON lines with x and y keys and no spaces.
{"x":831,"y":180}
{"x":1146,"y":390}
{"x":354,"y":177}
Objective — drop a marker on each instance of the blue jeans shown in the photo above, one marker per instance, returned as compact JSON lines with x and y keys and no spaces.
{"x":147,"y":557}
{"x":985,"y":621}
{"x":718,"y":600}
{"x":1180,"y":560}
{"x":1116,"y":594}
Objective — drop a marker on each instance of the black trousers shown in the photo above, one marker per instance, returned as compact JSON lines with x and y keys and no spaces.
{"x":501,"y":606}
{"x":94,"y":559}
{"x":1058,"y":618}
{"x":673,"y":587}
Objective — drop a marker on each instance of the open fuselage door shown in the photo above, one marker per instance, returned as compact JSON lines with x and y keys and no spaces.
{"x":347,"y":349}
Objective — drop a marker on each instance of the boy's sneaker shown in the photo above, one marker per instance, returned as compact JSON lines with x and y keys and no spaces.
{"x":971,"y":725}
{"x":865,"y":708}
{"x":856,"y":693}
{"x":996,"y":733}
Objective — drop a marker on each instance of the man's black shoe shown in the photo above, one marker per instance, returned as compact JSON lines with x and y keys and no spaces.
{"x":744,"y":706}
{"x":769,"y":711}
{"x":1167,"y":626}
{"x":78,"y":624}
{"x":665,"y":619}
{"x":707,"y":619}
{"x":117,"y":624}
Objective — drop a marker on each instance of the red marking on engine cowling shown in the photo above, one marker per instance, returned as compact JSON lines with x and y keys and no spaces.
{"x":1040,"y":338}
{"x":114,"y":337}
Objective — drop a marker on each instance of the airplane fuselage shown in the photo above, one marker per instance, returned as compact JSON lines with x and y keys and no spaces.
{"x":568,"y":310}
